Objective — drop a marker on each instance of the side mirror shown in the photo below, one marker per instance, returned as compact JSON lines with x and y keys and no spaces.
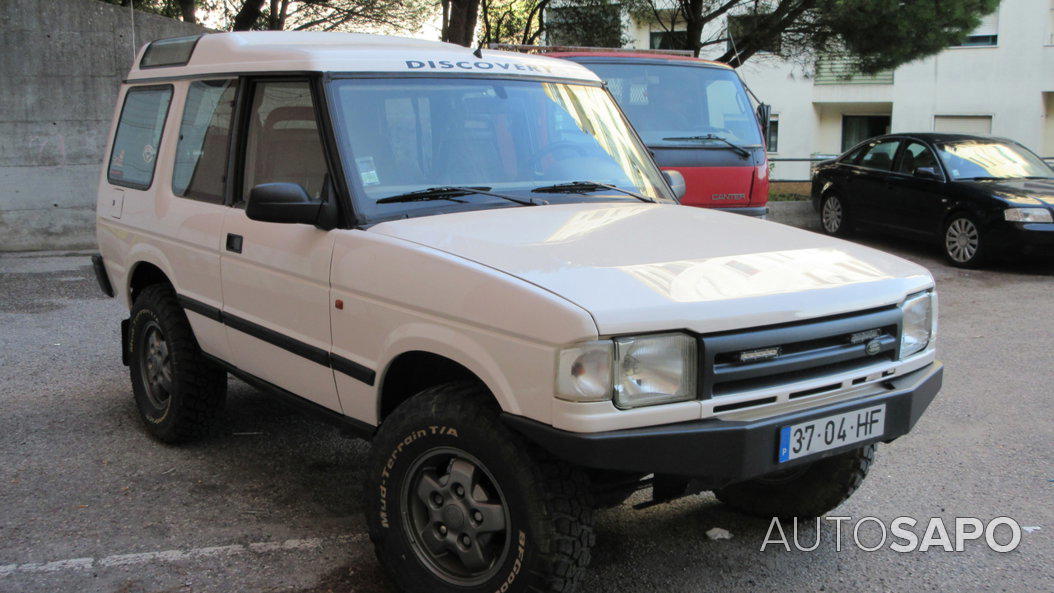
{"x":765,"y":119}
{"x":282,"y":202}
{"x":927,"y":173}
{"x":676,"y":181}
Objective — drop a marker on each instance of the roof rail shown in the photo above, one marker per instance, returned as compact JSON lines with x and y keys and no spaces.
{"x":545,"y":49}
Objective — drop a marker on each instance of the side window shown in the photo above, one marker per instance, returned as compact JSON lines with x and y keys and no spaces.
{"x":853,"y":158}
{"x":880,"y":155}
{"x":200,"y":169}
{"x":283,"y":142}
{"x":138,"y":136}
{"x":916,"y":155}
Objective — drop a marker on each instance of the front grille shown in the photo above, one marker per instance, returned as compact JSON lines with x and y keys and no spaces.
{"x":805,"y":351}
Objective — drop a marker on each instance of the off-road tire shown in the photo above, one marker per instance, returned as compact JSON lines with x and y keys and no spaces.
{"x":809,"y":492}
{"x":842,"y":224}
{"x":199,"y":387}
{"x":550,"y":525}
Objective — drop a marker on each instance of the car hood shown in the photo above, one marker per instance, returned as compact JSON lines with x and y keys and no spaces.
{"x":1019,"y":192}
{"x":648,"y":267}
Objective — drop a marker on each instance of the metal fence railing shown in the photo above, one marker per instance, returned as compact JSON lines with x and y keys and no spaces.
{"x":1048,"y":159}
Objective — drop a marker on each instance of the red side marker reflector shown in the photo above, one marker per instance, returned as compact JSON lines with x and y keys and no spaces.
{"x":339,"y":304}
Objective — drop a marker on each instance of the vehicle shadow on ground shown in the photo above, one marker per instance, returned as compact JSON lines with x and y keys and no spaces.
{"x":299,"y":471}
{"x":928,"y":253}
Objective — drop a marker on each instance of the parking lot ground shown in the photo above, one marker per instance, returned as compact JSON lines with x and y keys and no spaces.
{"x":272,"y":501}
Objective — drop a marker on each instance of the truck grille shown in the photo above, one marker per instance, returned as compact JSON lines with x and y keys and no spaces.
{"x":734,"y":362}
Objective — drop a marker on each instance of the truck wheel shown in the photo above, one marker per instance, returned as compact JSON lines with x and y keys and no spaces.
{"x":804,"y":492}
{"x":459,"y":503}
{"x":178,"y":392}
{"x":834,"y":216}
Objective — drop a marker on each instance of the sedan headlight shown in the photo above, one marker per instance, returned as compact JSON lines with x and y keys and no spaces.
{"x":920,"y":323}
{"x":634,"y":371}
{"x":1027,"y":215}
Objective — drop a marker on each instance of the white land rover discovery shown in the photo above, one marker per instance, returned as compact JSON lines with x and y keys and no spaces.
{"x":470,"y":259}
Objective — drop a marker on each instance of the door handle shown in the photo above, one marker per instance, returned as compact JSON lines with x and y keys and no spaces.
{"x":234,"y":243}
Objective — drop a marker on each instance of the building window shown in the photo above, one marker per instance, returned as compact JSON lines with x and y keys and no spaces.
{"x":985,"y":35}
{"x":772,"y":143}
{"x":857,"y":128}
{"x":668,"y":40}
{"x":978,"y":125}
{"x":741,"y":26}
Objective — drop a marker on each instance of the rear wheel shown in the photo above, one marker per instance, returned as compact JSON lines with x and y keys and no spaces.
{"x":459,"y":503}
{"x":178,"y":392}
{"x":806,"y":491}
{"x":963,"y":241}
{"x":834,"y":215}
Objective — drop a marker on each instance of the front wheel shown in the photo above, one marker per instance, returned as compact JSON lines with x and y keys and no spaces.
{"x":964,"y":244}
{"x":459,"y":503}
{"x":806,"y":491}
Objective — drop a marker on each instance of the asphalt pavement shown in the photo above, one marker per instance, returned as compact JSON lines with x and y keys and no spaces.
{"x":273,"y":501}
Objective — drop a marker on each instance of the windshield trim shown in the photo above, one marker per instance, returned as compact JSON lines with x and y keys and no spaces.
{"x":355,"y":191}
{"x":333,"y":76}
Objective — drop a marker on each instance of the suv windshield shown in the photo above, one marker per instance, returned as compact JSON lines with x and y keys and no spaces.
{"x":509,"y":137}
{"x":675,"y":105}
{"x":987,"y":159}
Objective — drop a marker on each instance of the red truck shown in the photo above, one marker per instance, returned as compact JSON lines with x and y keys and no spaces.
{"x":694,"y":115}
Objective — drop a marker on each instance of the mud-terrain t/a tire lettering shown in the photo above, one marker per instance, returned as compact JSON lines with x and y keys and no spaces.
{"x":458,"y":502}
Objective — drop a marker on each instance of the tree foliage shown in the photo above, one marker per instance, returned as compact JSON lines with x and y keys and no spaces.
{"x":295,"y":15}
{"x":875,"y":34}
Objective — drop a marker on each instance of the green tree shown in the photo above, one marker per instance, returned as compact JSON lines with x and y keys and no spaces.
{"x":876,"y":34}
{"x":592,"y":23}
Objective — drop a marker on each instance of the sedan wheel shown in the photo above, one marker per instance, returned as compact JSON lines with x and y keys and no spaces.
{"x":962,"y":241}
{"x":833,"y":216}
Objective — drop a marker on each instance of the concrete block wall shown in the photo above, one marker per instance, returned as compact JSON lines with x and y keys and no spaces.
{"x":61,"y":63}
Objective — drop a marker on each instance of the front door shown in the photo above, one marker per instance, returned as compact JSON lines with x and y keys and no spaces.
{"x":276,"y":276}
{"x":917,"y":199}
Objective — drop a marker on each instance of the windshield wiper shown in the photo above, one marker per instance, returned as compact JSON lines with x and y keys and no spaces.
{"x":449,"y":192}
{"x":585,"y":187}
{"x":980,"y":178}
{"x":735,"y":147}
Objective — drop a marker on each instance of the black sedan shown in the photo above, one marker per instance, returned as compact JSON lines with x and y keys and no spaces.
{"x":978,"y":196}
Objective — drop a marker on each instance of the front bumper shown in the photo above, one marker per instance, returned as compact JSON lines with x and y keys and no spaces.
{"x":755,"y":211}
{"x":719,"y":452}
{"x":1031,"y":237}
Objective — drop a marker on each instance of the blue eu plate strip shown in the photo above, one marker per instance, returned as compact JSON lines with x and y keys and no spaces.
{"x":785,"y":438}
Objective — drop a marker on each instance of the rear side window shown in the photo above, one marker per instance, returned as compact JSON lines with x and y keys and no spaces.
{"x":200,"y":169}
{"x":880,"y":156}
{"x":138,"y":136}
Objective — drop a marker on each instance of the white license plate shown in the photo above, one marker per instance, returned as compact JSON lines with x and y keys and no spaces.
{"x":818,"y":435}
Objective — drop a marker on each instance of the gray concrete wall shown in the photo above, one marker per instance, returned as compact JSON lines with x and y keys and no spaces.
{"x":61,"y":62}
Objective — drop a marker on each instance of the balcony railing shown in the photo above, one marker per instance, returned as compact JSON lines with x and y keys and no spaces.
{"x":845,"y":71}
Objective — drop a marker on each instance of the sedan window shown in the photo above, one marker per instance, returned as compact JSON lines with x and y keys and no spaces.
{"x":880,"y":155}
{"x":915,"y":156}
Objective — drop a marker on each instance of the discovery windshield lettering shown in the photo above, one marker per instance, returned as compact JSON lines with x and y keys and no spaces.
{"x":477,"y":65}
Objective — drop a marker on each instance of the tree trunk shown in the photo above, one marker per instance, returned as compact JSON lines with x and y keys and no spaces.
{"x":187,"y":8}
{"x":248,"y":15}
{"x":460,"y":27}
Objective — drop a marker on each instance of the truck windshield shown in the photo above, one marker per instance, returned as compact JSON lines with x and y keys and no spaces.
{"x":402,"y":135}
{"x":985,"y":159}
{"x":676,"y":105}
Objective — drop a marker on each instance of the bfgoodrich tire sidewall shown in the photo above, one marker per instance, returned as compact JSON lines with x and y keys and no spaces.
{"x":394,"y":459}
